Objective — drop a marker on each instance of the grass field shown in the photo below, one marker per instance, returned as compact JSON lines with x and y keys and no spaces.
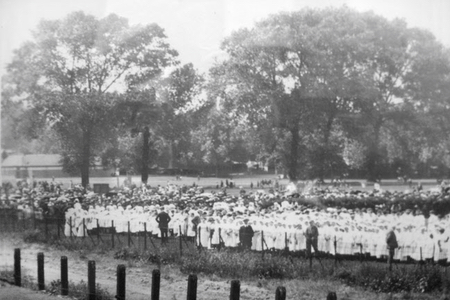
{"x":240,"y":180}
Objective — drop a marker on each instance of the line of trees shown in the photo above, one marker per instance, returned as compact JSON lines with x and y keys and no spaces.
{"x":315,"y":93}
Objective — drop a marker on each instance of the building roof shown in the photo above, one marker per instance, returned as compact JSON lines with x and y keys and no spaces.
{"x":32,"y":160}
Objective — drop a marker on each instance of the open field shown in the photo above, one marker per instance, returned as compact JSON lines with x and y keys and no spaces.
{"x":240,"y":180}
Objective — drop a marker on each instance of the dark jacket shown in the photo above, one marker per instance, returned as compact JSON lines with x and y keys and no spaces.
{"x":246,"y":234}
{"x":163,"y":219}
{"x":391,"y":240}
{"x":312,"y":233}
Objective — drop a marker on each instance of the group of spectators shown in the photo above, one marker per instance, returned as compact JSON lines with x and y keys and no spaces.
{"x":254,"y":219}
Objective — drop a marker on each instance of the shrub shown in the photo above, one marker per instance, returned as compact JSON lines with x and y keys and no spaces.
{"x":409,"y":279}
{"x":34,"y":236}
{"x":79,"y":290}
{"x":243,"y":264}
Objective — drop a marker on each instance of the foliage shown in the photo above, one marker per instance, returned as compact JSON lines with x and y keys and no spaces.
{"x":369,"y":275}
{"x":375,"y":278}
{"x":164,"y":255}
{"x":179,"y":95}
{"x":34,"y":236}
{"x":79,"y":290}
{"x":440,"y":204}
{"x":315,"y":72}
{"x":72,"y":71}
{"x":232,"y":264}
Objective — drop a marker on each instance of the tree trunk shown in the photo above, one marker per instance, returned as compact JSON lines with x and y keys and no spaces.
{"x":324,"y":151}
{"x":145,"y":154}
{"x":293,"y":159}
{"x":373,"y":157}
{"x":170,"y":155}
{"x":84,"y":168}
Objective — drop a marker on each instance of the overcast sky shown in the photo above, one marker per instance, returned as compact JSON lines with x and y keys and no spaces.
{"x":195,"y":28}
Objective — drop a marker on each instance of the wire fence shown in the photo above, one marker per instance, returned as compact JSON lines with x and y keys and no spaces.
{"x":92,"y":232}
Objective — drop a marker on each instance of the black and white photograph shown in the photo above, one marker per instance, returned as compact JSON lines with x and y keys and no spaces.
{"x":225,"y":149}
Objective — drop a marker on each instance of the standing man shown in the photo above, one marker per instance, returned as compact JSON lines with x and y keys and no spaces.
{"x":312,"y":235}
{"x":246,"y":235}
{"x":163,"y":220}
{"x":392,"y":244}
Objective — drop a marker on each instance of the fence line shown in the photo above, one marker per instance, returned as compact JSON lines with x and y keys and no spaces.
{"x":280,"y":293}
{"x":54,"y":226}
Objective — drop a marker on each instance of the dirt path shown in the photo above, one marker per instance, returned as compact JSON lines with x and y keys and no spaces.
{"x":8,"y":292}
{"x":138,"y":278}
{"x":173,"y":282}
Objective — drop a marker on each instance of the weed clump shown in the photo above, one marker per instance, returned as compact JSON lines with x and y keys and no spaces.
{"x":409,"y":279}
{"x":79,"y":290}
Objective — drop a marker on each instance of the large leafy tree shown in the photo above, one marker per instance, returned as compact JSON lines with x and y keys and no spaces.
{"x":295,"y":72}
{"x":405,"y":66}
{"x":76,"y":63}
{"x":178,"y":97}
{"x":138,"y":115}
{"x":316,"y":74}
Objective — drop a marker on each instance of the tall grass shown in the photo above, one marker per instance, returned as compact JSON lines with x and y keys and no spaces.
{"x":373,"y":276}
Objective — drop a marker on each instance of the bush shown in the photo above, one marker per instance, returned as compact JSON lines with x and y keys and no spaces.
{"x":371,"y":276}
{"x":165,"y":255}
{"x":409,"y":279}
{"x":34,"y":236}
{"x":242,"y":264}
{"x":79,"y":290}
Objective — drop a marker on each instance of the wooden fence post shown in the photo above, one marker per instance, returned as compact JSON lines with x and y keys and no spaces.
{"x":64,"y":276}
{"x":145,"y":235}
{"x":331,"y":296}
{"x":286,"y":247}
{"x":84,"y":229}
{"x":40,"y":271}
{"x":113,"y":230}
{"x":199,"y":234}
{"x":180,"y":236}
{"x":280,"y":293}
{"x":17,"y":275}
{"x":91,"y":280}
{"x":219,"y":247}
{"x":120,"y":295}
{"x":335,"y":251}
{"x":235,"y":290}
{"x":70,"y":225}
{"x":262,"y":243}
{"x":156,"y":281}
{"x":192,"y":287}
{"x":361,"y":252}
{"x":129,"y":235}
{"x":98,"y":232}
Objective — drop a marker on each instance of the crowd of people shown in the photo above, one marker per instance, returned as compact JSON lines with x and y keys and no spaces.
{"x":253,"y":219}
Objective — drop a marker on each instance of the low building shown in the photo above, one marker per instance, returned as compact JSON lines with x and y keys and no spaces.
{"x":42,"y":166}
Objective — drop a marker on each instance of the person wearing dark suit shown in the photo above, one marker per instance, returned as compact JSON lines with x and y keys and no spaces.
{"x":392,"y":244}
{"x":312,"y":235}
{"x":163,"y":220}
{"x":246,"y":235}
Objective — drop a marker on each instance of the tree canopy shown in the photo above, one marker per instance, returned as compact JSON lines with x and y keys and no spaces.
{"x":318,"y":73}
{"x":75,"y":67}
{"x":312,"y":93}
